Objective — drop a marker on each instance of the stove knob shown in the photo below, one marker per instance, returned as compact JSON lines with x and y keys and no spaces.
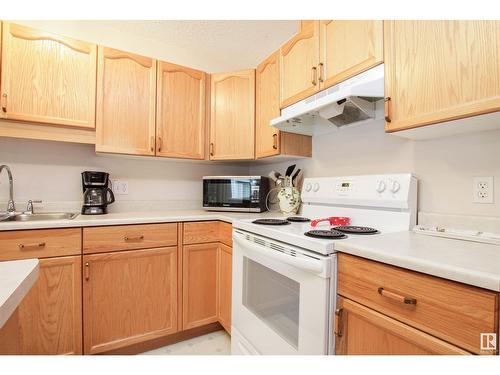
{"x":381,"y":186}
{"x":395,"y":187}
{"x":315,"y":187}
{"x":308,"y":186}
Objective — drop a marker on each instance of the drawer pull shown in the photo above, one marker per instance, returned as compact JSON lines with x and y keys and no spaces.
{"x":31,"y":245}
{"x":338,"y":316}
{"x":134,"y":238}
{"x":397,"y":297}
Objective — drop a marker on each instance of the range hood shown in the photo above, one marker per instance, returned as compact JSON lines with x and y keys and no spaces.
{"x":351,"y":101}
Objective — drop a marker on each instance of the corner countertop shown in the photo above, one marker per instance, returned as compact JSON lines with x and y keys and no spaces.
{"x":16,"y":279}
{"x":467,"y":262}
{"x":123,"y":218}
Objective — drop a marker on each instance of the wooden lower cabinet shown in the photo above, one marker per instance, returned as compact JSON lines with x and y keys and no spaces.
{"x":129,"y":297}
{"x":199,"y":282}
{"x":224,"y":286}
{"x":50,"y":316}
{"x":361,"y":330}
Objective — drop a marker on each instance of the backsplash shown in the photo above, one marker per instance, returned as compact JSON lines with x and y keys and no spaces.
{"x":50,"y":171}
{"x":445,"y":167}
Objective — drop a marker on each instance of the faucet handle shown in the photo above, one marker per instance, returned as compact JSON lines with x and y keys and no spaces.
{"x":29,"y":208}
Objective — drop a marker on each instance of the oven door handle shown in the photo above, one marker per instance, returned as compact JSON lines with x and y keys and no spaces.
{"x":301,"y":263}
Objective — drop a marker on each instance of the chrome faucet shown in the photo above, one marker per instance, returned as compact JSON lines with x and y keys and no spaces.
{"x":11,"y":207}
{"x":29,"y":208}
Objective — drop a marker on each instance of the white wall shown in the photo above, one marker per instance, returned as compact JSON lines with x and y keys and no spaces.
{"x":445,"y":167}
{"x":50,"y":171}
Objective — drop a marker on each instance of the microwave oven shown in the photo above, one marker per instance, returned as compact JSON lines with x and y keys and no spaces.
{"x":235,"y":193}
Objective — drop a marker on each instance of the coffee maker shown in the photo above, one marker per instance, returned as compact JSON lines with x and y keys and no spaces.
{"x":96,"y":193}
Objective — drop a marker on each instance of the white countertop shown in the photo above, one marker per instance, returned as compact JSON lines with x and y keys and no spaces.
{"x":16,"y":279}
{"x":134,"y":218}
{"x":467,"y":262}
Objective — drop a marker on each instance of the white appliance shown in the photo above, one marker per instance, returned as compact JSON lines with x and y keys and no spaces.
{"x":284,"y":282}
{"x":351,"y":101}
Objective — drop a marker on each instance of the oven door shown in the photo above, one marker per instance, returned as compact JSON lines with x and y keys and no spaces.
{"x":281,"y":297}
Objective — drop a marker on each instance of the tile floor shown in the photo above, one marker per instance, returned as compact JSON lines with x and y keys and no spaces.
{"x":215,"y":343}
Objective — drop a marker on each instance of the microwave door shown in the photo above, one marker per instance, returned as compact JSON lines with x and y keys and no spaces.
{"x":233,"y":193}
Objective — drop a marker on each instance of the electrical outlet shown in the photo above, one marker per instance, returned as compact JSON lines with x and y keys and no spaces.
{"x":120,"y":187}
{"x":482,"y":190}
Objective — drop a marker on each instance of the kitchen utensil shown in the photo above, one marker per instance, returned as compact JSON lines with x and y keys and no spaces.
{"x":289,"y":170}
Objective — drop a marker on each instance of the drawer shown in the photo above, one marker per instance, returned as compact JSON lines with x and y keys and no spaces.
{"x":201,"y":232}
{"x":128,"y":237}
{"x":226,"y":233}
{"x":454,"y":312}
{"x":40,"y":243}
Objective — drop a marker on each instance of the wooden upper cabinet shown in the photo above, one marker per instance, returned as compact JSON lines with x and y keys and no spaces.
{"x":267,"y":106}
{"x":299,"y":59}
{"x":440,"y":70}
{"x":363,"y":331}
{"x":269,"y":141}
{"x":47,"y":78}
{"x":126,"y":94}
{"x":232,"y":125}
{"x":128,"y":297}
{"x":348,"y":48}
{"x":180,"y":124}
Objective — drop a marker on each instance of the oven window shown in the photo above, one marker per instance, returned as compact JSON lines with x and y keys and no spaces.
{"x":272,"y":297}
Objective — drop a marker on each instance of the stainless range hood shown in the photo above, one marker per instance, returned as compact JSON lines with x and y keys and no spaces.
{"x":351,"y":101}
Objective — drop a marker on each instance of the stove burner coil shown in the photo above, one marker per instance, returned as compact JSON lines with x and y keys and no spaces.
{"x":353,"y":229}
{"x":271,"y":222}
{"x":327,"y":234}
{"x":298,"y":219}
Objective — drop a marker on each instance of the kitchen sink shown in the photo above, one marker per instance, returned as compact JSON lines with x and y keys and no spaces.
{"x":40,"y":216}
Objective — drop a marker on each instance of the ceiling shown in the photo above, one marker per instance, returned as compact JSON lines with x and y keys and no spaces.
{"x":212,"y":46}
{"x":215,"y":46}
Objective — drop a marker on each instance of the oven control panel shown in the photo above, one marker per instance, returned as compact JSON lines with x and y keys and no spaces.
{"x":391,"y":191}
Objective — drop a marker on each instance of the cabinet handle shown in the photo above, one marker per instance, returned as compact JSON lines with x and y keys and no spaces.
{"x":397,"y":297}
{"x":314,"y":76}
{"x":321,"y":72}
{"x":387,"y":109}
{"x":152,"y":141}
{"x":39,"y":245}
{"x":211,"y":149}
{"x":87,"y":271}
{"x":160,"y":144}
{"x":134,"y":238}
{"x":338,"y":316}
{"x":4,"y":102}
{"x":275,"y":141}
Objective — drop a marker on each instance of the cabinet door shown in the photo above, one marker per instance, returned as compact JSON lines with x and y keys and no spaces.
{"x":128,"y":297}
{"x":47,"y":78}
{"x":232,"y":122}
{"x":299,"y":59}
{"x":180,"y":124}
{"x":50,"y":316}
{"x":225,"y":274}
{"x":440,"y":70}
{"x":199,"y":284}
{"x":126,"y":95}
{"x":267,"y":107}
{"x":348,"y":48}
{"x":360,"y":330}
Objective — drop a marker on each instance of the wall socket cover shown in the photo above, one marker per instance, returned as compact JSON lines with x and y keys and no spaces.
{"x":120,"y":187}
{"x":483,"y":190}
